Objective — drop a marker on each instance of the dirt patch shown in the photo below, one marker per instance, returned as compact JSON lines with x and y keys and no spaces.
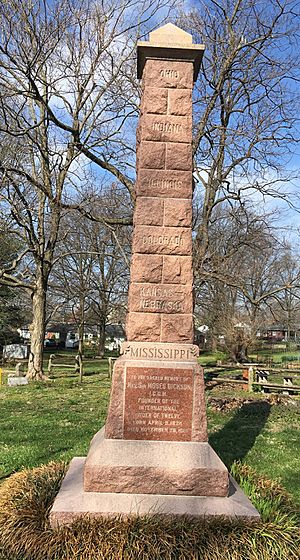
{"x":224,"y":404}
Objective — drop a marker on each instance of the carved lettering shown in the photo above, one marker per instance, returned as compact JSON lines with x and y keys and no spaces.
{"x":166,"y":240}
{"x":172,"y":128}
{"x":168,"y":73}
{"x":161,"y":305}
{"x":159,"y":291}
{"x":158,"y":403}
{"x":165,"y":183}
{"x":140,"y":351}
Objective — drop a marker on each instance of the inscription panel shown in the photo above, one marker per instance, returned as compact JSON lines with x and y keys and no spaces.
{"x":158,"y":403}
{"x":159,"y":351}
{"x":165,"y":128}
{"x":166,"y":184}
{"x":160,"y":298}
{"x":162,"y":240}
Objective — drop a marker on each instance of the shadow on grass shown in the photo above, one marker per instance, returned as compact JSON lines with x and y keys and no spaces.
{"x":95,"y":372}
{"x":237,"y":437}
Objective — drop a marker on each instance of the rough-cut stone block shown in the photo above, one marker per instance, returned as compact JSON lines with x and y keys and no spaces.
{"x":154,"y":467}
{"x":152,"y":155}
{"x":180,"y":102}
{"x":177,"y":212}
{"x":138,"y":135}
{"x":161,"y":183}
{"x":162,"y":240}
{"x":160,"y":298}
{"x":149,"y":211}
{"x":177,"y":328}
{"x":179,"y":156}
{"x":165,"y":128}
{"x":155,"y":100}
{"x":177,"y":270}
{"x":73,"y":502}
{"x":143,"y":327}
{"x":168,"y":74}
{"x":160,"y":351}
{"x":146,"y":268}
{"x":199,"y":425}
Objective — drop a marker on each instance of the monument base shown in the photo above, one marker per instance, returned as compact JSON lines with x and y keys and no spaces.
{"x":154,"y":467}
{"x":73,"y":502}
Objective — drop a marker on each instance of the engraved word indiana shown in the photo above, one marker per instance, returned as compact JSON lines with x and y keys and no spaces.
{"x":172,"y":128}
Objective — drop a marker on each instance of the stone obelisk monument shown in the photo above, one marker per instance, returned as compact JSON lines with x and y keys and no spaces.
{"x":153,"y":455}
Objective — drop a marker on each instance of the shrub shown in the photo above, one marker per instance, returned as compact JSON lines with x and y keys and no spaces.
{"x":25,"y":533}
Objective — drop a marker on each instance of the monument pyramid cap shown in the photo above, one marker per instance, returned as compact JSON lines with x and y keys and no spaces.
{"x":170,"y":34}
{"x":169,"y":42}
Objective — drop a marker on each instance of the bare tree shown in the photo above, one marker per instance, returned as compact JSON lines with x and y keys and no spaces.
{"x":12,"y":302}
{"x":285,"y":306}
{"x":246,"y":105}
{"x":109,"y":281}
{"x":69,"y":101}
{"x":92,"y":273}
{"x":251,"y":272}
{"x":65,"y":79}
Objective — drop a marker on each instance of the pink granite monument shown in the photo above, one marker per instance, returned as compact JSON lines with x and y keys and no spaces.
{"x":153,"y":454}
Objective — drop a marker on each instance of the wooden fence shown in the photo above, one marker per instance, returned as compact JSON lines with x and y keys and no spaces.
{"x":257,"y":377}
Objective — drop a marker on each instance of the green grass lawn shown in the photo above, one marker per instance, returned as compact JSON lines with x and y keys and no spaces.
{"x":263,"y":436}
{"x":52,"y":420}
{"x":57,"y":419}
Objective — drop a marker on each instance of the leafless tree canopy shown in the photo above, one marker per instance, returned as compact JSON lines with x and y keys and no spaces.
{"x":247,"y":104}
{"x":66,"y":103}
{"x":69,"y":101}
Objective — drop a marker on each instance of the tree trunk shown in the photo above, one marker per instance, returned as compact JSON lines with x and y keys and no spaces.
{"x":37,"y":332}
{"x":102,"y":338}
{"x":81,"y":335}
{"x":81,"y":350}
{"x":239,"y":353}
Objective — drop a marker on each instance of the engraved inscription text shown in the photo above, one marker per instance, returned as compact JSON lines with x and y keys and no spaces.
{"x":168,"y":240}
{"x":158,"y":403}
{"x":172,"y":128}
{"x":166,"y":73}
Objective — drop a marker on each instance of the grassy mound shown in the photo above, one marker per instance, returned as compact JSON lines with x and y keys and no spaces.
{"x":26,"y":499}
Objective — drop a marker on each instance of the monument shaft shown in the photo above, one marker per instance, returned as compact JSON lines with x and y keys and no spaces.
{"x":158,"y":389}
{"x":161,"y":288}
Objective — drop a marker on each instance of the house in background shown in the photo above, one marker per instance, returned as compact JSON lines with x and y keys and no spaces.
{"x":64,"y":335}
{"x":279,"y":333}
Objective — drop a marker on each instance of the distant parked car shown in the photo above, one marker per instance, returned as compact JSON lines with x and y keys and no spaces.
{"x":72,"y":340}
{"x":50,"y":343}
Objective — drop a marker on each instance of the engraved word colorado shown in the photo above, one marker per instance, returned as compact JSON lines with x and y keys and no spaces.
{"x":166,"y":240}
